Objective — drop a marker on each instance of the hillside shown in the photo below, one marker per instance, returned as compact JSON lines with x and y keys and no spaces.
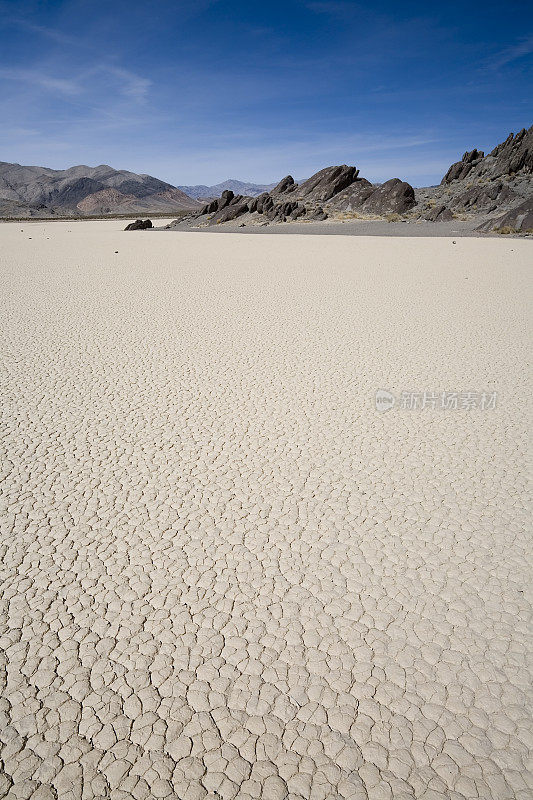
{"x":79,"y":190}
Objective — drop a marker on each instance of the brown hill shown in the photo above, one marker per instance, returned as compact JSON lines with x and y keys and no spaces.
{"x":43,"y":192}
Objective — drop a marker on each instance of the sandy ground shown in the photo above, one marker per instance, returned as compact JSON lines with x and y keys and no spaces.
{"x":224,"y":573}
{"x":378,"y":227}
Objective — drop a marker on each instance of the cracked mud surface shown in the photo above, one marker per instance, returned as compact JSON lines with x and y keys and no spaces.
{"x":224,"y":574}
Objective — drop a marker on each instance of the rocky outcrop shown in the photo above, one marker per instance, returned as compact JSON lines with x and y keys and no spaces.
{"x":462,"y":168}
{"x":479,"y":185}
{"x":287,"y":184}
{"x":336,"y":188}
{"x":511,"y":157}
{"x":328,"y":182}
{"x":514,"y":155}
{"x":483,"y":197}
{"x":139,"y":225}
{"x":392,"y":196}
{"x":519,"y":219}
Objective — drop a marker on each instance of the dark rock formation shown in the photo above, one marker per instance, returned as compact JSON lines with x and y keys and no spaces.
{"x":221,"y":202}
{"x":439,"y":214}
{"x":394,"y":196}
{"x":514,"y":155}
{"x":286,"y":184}
{"x":461,"y":168}
{"x":511,"y":157}
{"x":139,"y":225}
{"x":483,"y":197}
{"x":233,"y":210}
{"x":327,"y":183}
{"x":519,"y":218}
{"x":339,"y":187}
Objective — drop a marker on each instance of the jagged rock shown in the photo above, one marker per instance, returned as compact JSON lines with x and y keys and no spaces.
{"x":217,"y":205}
{"x":511,"y":157}
{"x":139,"y":225}
{"x":461,"y":168}
{"x":284,"y":210}
{"x":439,"y":214}
{"x":340,"y":185}
{"x":287,"y":184}
{"x":327,"y":183}
{"x":483,"y":197}
{"x":519,"y":218}
{"x":515,"y":154}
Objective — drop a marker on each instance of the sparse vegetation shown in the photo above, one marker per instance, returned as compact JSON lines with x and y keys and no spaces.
{"x":505,"y":230}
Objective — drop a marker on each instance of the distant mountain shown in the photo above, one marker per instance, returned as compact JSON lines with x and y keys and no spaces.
{"x":43,"y":192}
{"x":237,"y":187}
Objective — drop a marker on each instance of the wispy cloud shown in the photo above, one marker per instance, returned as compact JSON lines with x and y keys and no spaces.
{"x":51,"y":83}
{"x":42,"y":30}
{"x":127,"y":83}
{"x":333,"y":8}
{"x":522,"y":48}
{"x":132,"y":85}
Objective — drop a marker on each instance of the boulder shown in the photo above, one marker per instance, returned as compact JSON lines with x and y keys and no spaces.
{"x":286,"y":184}
{"x":439,"y":214}
{"x":226,"y":198}
{"x":393,"y":196}
{"x":327,"y":183}
{"x":232,"y":211}
{"x":139,"y":225}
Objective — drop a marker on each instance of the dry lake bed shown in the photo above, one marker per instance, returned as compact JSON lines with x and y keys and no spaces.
{"x":224,"y":572}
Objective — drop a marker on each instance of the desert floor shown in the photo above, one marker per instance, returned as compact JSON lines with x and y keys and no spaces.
{"x":225,"y":574}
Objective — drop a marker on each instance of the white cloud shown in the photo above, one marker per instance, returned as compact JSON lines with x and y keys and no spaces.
{"x":49,"y":82}
{"x":523,"y":48}
{"x":132,"y":85}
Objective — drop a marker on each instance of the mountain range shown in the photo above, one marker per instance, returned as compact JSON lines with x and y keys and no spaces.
{"x":203,"y":192}
{"x":476,"y":186}
{"x":81,"y":190}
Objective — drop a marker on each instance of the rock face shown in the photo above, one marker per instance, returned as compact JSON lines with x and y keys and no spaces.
{"x":518,"y":219}
{"x":42,"y":192}
{"x":498,"y":183}
{"x":392,"y":196}
{"x":461,"y":168}
{"x":139,"y":225}
{"x":327,"y":183}
{"x":513,"y":156}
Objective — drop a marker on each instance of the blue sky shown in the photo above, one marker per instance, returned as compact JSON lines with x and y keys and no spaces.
{"x":196,"y":91}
